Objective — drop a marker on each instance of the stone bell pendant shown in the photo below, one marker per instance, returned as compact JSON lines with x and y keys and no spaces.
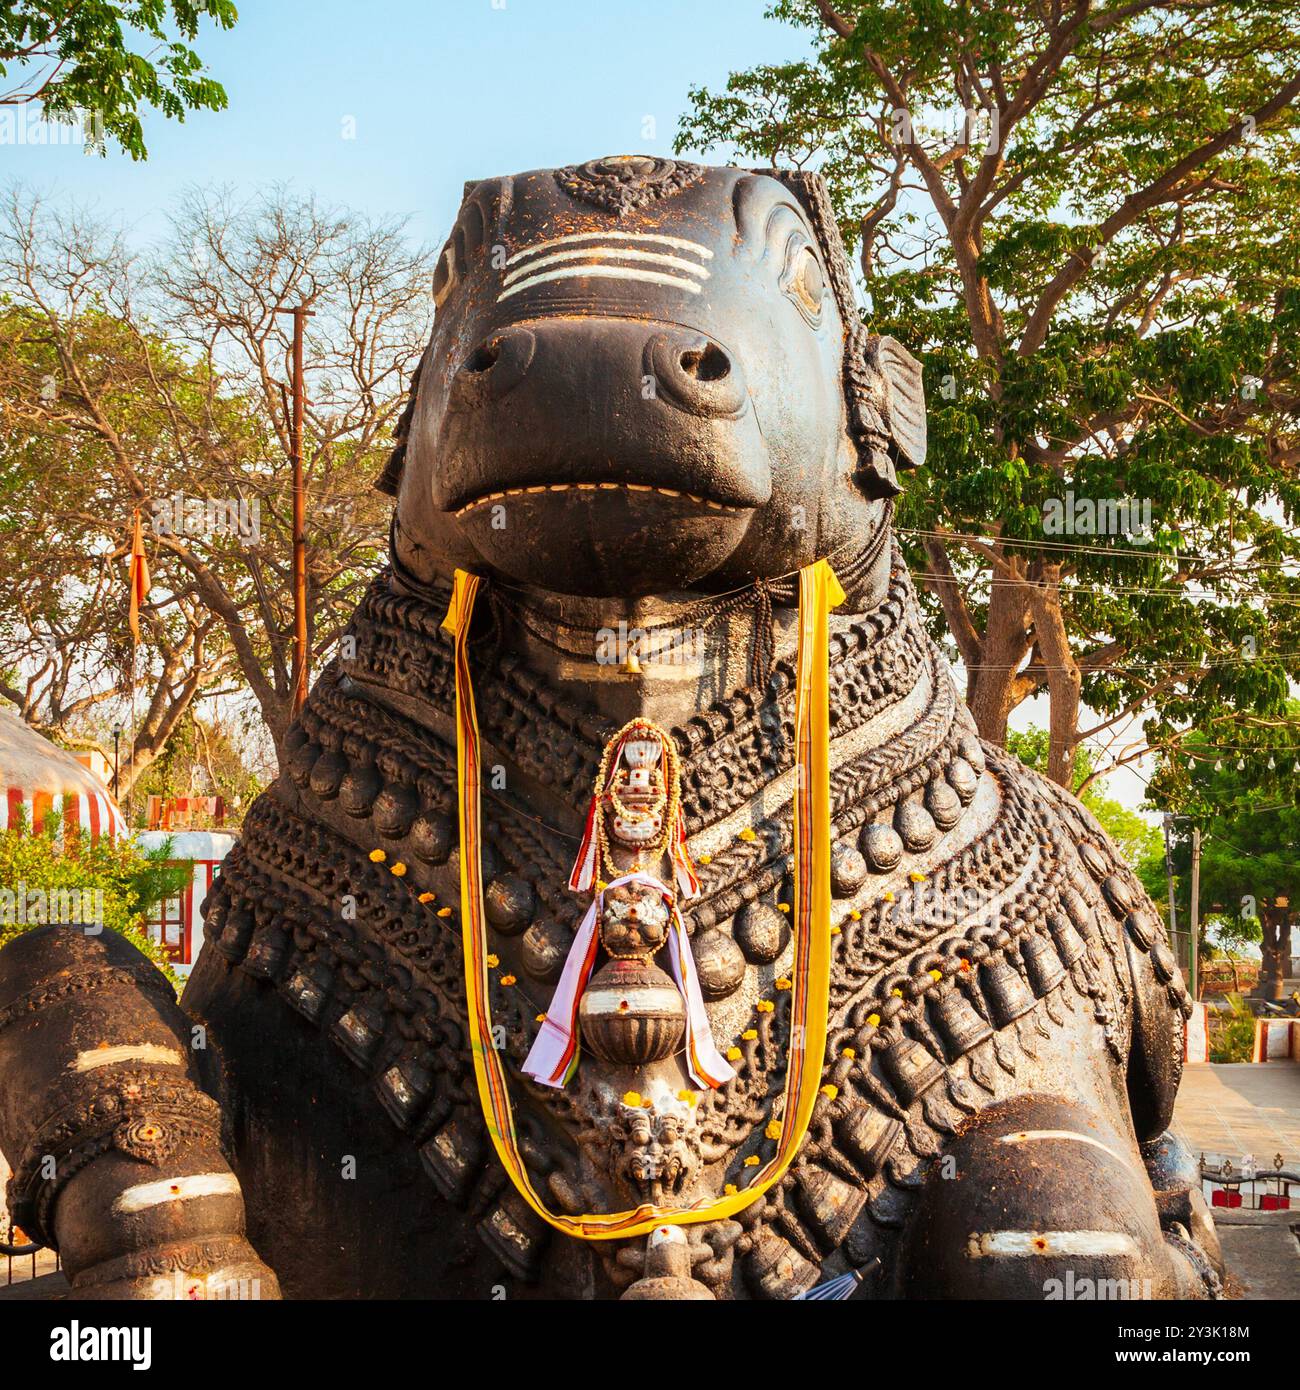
{"x":1008,"y":995}
{"x":1043,"y":965}
{"x":957,"y":1023}
{"x":632,"y":1012}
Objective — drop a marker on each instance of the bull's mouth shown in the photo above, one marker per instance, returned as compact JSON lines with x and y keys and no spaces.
{"x":679,"y":494}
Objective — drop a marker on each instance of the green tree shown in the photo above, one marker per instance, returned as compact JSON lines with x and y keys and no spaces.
{"x":48,"y":877}
{"x":1248,"y":811}
{"x":1083,"y":217}
{"x":82,"y":56}
{"x":103,"y":410}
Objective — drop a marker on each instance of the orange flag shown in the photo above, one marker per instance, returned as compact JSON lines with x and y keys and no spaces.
{"x":139,"y":577}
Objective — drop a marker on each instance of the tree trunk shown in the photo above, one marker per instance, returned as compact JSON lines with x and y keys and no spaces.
{"x":1064,"y":679}
{"x":1274,"y":923}
{"x":991,"y":686}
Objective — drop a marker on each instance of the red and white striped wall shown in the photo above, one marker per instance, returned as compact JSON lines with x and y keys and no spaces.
{"x":93,"y":813}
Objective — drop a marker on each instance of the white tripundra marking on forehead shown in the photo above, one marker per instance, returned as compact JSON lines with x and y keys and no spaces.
{"x":1031,"y":1136}
{"x":126,"y":1052}
{"x":591,"y":254}
{"x":676,"y":242}
{"x":154,"y":1194}
{"x":602,"y":272}
{"x":606,"y":256}
{"x":983,"y":1244}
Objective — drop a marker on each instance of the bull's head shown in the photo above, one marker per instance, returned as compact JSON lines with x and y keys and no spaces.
{"x":647,"y":375}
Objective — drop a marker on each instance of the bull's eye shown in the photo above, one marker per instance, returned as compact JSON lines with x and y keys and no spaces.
{"x":803,"y":280}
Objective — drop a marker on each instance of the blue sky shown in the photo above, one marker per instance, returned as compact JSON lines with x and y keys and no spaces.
{"x":439,"y":92}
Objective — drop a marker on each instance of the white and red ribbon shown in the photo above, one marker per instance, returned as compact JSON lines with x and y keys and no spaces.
{"x":554,"y":1053}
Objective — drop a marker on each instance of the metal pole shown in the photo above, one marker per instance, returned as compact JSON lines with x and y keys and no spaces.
{"x":300,"y":654}
{"x":1196,"y":909}
{"x":1169,"y":874}
{"x":299,"y":529}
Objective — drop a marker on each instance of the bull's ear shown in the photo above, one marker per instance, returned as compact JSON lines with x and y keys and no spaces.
{"x":904,"y":397}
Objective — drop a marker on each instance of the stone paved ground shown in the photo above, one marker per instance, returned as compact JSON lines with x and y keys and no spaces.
{"x":1229,"y":1109}
{"x":25,"y":1278}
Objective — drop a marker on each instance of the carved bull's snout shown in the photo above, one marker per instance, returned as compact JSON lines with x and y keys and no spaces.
{"x":685,"y":369}
{"x":638,"y":440}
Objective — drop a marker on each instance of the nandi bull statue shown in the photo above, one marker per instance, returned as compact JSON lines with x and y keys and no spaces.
{"x":638,"y":913}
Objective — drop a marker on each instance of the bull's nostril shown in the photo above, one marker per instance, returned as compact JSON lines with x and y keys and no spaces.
{"x":484,"y":357}
{"x":708,"y":363}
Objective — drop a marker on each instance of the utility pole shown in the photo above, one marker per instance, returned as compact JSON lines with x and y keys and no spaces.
{"x":301,"y":661}
{"x":1168,"y":822}
{"x":1196,"y":910}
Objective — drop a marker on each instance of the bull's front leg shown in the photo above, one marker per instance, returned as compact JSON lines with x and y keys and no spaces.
{"x":115,"y":1145}
{"x":1037,"y":1198}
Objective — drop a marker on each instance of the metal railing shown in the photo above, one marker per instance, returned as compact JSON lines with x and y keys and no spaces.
{"x":1247,"y":1186}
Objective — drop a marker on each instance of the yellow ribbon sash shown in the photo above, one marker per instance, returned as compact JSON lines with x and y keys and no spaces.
{"x":819,"y":592}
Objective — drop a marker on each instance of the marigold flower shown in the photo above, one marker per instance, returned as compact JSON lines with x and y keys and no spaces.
{"x":752,"y":1161}
{"x":632,"y":1098}
{"x":444,"y":912}
{"x":783,"y":907}
{"x":730,"y":1189}
{"x":765,"y":1006}
{"x":426,"y":897}
{"x":377,"y":856}
{"x":856,"y":915}
{"x":399,"y":868}
{"x":733,"y":1054}
{"x":773,"y":1130}
{"x":541,"y":1018}
{"x":690,"y":1097}
{"x":849,"y":1052}
{"x":749,"y":1035}
{"x":747,"y":835}
{"x":783,"y":983}
{"x":916,"y":877}
{"x":493,"y":962}
{"x":936,"y":974}
{"x":507,"y":980}
{"x":873,"y":1020}
{"x":830,"y":1091}
{"x":704,"y":859}
{"x":889,"y":898}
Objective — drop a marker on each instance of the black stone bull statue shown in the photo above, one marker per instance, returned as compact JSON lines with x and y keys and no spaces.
{"x":648,"y":402}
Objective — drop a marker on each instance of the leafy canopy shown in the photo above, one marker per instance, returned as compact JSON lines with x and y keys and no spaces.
{"x":1084,"y":219}
{"x":76,"y":56}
